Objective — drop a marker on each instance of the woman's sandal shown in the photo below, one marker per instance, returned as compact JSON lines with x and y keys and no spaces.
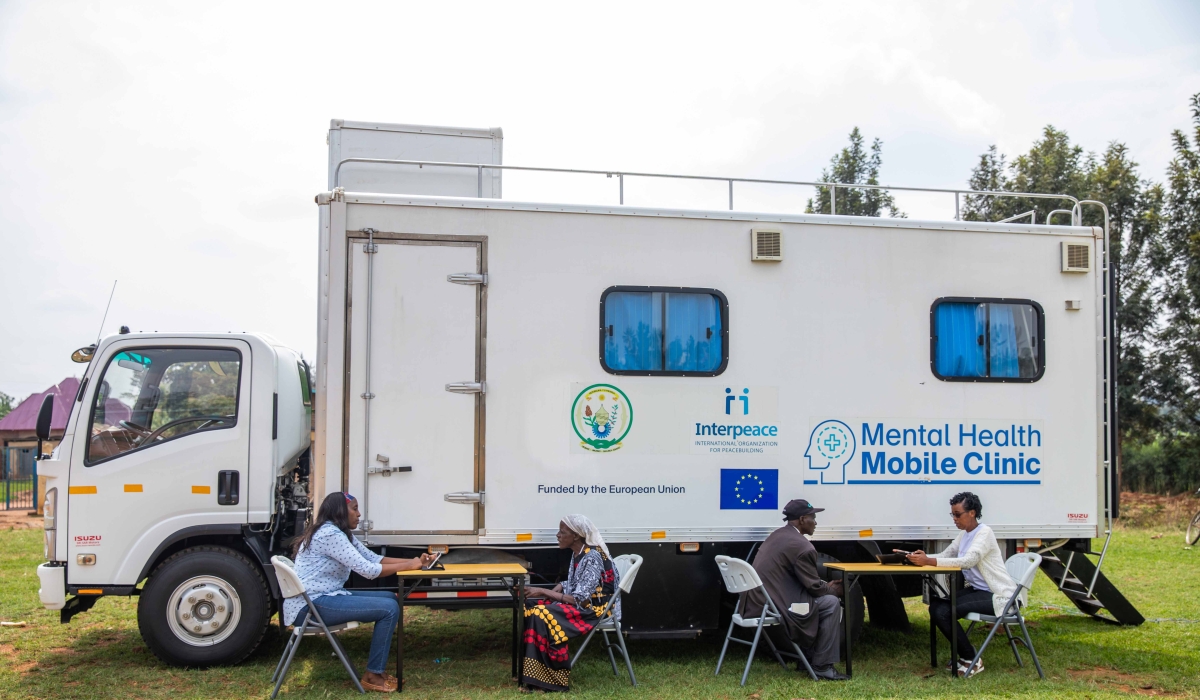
{"x":389,"y":685}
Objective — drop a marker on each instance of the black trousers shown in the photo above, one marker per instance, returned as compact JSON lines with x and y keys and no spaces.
{"x":968,"y":600}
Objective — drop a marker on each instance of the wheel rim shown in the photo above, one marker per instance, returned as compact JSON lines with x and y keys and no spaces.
{"x":203,"y":611}
{"x":1193,"y":533}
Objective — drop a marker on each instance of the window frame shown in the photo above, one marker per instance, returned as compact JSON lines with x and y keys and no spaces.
{"x":1041,"y":340}
{"x":237,"y":401}
{"x":722,"y":300}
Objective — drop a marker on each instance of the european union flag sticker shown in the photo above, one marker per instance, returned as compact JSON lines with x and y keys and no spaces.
{"x":749,"y":489}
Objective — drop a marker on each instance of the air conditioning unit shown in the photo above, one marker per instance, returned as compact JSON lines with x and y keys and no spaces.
{"x":1076,"y":257}
{"x":766,"y":244}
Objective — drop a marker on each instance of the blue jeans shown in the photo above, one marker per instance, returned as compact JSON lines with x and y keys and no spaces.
{"x":380,"y":607}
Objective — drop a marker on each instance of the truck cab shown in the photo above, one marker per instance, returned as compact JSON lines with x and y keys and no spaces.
{"x":184,"y":466}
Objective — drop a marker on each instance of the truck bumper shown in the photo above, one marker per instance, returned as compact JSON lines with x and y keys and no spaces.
{"x":54,"y":585}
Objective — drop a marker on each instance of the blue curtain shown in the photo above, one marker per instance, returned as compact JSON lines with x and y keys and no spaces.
{"x":961,"y":351}
{"x":633,"y":331}
{"x":693,"y":333}
{"x":1003,"y":360}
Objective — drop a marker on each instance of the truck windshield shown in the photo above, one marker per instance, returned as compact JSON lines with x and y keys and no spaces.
{"x":147,"y":396}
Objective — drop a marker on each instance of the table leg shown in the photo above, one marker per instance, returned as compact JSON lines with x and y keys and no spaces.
{"x":400,"y":642}
{"x":519,"y":652}
{"x":932,"y":627}
{"x":515,"y":633}
{"x":953,"y":625}
{"x":847,"y":582}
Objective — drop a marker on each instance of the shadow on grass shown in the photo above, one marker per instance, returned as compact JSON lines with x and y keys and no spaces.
{"x":98,"y":662}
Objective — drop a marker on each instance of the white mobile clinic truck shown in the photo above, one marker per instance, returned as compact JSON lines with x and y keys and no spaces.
{"x":486,"y":366}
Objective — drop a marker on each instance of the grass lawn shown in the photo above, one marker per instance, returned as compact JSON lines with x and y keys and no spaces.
{"x":101,"y":655}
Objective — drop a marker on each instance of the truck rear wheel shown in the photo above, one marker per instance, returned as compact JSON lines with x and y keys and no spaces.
{"x":204,"y":606}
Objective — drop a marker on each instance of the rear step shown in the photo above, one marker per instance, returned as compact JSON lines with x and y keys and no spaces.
{"x":1074,"y":581}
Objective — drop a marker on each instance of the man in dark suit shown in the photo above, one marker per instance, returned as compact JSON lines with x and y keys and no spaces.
{"x":787,"y":564}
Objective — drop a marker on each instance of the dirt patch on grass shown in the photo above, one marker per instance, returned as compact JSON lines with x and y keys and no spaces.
{"x":1150,"y":510}
{"x":1124,"y":682}
{"x":19,"y":520}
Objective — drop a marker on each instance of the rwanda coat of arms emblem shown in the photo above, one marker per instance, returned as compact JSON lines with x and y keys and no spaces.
{"x":601,"y":416}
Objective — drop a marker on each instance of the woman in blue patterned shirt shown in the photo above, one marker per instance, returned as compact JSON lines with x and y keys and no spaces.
{"x":325,"y":555}
{"x":570,"y":609}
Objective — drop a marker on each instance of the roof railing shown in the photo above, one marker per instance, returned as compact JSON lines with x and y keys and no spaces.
{"x":833,"y":187}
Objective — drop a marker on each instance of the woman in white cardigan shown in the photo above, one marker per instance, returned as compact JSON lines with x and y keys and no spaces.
{"x":988,"y":585}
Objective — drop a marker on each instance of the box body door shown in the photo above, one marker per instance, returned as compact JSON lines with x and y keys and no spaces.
{"x":412,"y":332}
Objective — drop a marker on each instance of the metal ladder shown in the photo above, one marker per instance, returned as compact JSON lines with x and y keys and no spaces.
{"x":1071,"y":575}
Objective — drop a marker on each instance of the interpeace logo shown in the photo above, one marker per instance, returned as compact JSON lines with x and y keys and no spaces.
{"x":601,"y":416}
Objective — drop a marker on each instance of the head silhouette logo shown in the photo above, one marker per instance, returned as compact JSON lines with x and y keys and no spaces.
{"x":831,"y":446}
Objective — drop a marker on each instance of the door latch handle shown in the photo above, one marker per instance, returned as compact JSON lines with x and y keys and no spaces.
{"x":387,"y":467}
{"x":227,"y":487}
{"x":465,"y":497}
{"x":467,"y":387}
{"x":468,"y":278}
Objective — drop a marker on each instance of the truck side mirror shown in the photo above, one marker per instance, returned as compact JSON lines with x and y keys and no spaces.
{"x":45,"y":416}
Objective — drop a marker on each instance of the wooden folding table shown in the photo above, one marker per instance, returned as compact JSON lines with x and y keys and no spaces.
{"x":472,"y":590}
{"x":851,"y":571}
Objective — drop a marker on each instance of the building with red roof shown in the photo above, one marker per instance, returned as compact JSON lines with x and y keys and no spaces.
{"x":18,"y":439}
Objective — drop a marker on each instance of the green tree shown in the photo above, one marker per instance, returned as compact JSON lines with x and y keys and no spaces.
{"x":1054,"y":165}
{"x":855,"y":165}
{"x":6,"y":404}
{"x":1176,"y":379}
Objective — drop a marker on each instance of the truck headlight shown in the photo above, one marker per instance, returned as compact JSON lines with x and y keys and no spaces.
{"x":50,"y":522}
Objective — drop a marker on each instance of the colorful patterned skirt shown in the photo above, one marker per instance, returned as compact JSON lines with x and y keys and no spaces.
{"x":548,"y":626}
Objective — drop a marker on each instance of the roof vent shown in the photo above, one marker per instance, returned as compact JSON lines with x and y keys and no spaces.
{"x":1076,"y":257}
{"x":766,"y":244}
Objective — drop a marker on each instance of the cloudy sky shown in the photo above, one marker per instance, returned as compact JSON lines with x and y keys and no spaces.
{"x":176,"y":147}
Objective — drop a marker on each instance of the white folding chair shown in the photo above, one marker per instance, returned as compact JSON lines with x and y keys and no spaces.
{"x":1022,"y":568}
{"x":627,"y":566}
{"x":290,"y":586}
{"x":741,"y":578}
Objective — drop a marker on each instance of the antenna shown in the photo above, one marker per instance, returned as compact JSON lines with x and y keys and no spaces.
{"x":106,"y":308}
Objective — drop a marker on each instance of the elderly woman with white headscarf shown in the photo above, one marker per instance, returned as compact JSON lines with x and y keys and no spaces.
{"x":570,"y":609}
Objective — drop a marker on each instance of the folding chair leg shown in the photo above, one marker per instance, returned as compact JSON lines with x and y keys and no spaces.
{"x":753,"y":649}
{"x":979,"y":653}
{"x":608,"y":646}
{"x":804,"y":660}
{"x":1029,"y":644}
{"x":724,"y":648}
{"x":774,"y":650}
{"x":287,"y":664}
{"x":337,"y":648}
{"x":286,"y":649}
{"x":583,"y":646}
{"x":625,"y":653}
{"x":1012,"y":642}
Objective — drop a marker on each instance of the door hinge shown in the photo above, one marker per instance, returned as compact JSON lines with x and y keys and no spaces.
{"x":467,"y":387}
{"x":468,"y":278}
{"x":465,"y":497}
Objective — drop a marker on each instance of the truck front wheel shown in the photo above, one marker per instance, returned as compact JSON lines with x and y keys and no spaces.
{"x":204,"y":606}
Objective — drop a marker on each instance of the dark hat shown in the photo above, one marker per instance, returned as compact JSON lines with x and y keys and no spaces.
{"x":797,"y":508}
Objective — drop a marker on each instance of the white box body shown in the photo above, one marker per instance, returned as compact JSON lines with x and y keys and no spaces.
{"x":839,"y":330}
